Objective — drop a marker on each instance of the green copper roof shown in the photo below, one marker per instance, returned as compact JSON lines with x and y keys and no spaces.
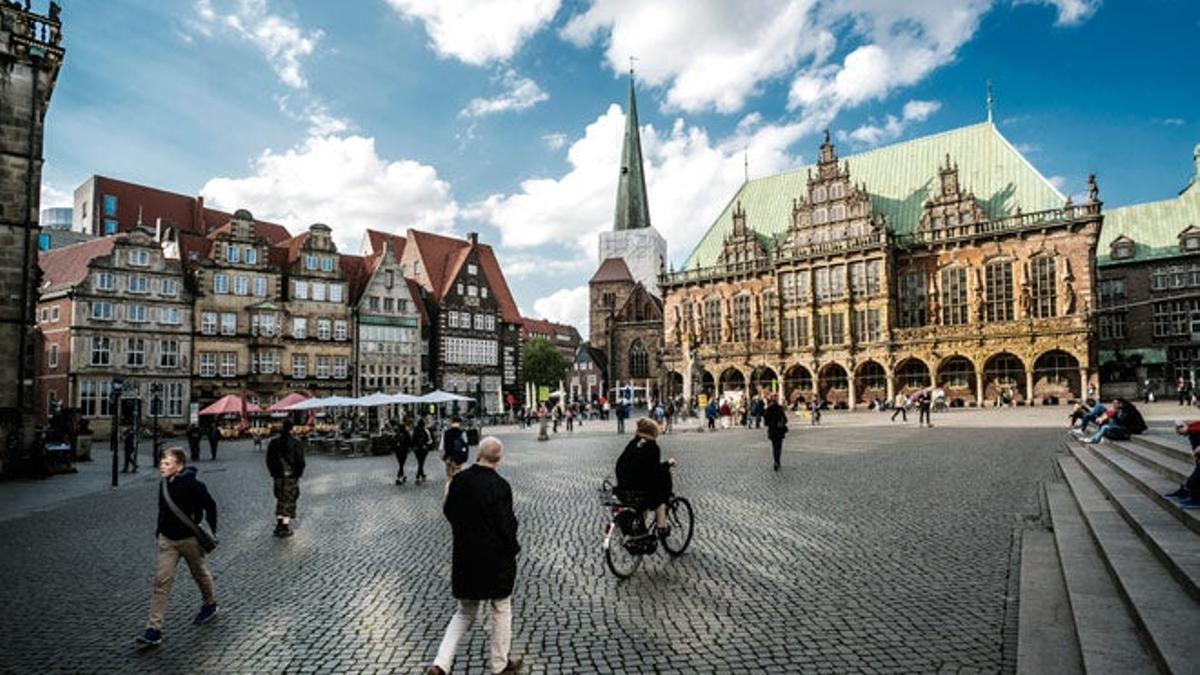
{"x":1154,"y":227}
{"x":899,"y":179}
{"x":633,"y":209}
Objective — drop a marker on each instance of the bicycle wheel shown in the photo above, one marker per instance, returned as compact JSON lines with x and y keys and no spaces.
{"x":617,"y":555}
{"x":679,"y":517}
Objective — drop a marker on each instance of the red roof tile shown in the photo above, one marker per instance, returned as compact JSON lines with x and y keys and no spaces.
{"x":443,"y":257}
{"x":543,"y":327}
{"x":64,"y":267}
{"x":612,"y":269}
{"x":495,"y":277}
{"x":377,"y":239}
{"x":357,"y":271}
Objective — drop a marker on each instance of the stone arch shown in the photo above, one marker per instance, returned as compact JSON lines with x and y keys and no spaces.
{"x":1004,"y":372}
{"x":732,"y":379}
{"x":763,"y":380}
{"x":797,"y":383}
{"x":1056,"y":378}
{"x":833,"y":384}
{"x":956,"y":376}
{"x":912,"y":374}
{"x":674,"y":383}
{"x":708,"y":384}
{"x":870,"y":382}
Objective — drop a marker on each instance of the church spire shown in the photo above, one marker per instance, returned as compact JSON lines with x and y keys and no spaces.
{"x":633,"y":209}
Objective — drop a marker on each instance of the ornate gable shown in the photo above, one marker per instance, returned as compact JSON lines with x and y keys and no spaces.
{"x":640,"y":306}
{"x":833,"y":208}
{"x":951,"y":205}
{"x":742,"y":245}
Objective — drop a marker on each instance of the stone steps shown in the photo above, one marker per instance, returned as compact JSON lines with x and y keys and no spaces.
{"x":1116,"y":587}
{"x":1173,"y":445}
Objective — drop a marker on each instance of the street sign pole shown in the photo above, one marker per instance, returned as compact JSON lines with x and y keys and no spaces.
{"x":117,"y":385}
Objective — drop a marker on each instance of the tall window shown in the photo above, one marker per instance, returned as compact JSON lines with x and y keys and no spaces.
{"x":324,"y":329}
{"x":135,"y":352}
{"x":169,"y":316}
{"x":101,"y":351}
{"x":1043,"y":289}
{"x":770,"y":315}
{"x":741,"y":318}
{"x":821,"y":283}
{"x":95,"y":398}
{"x":1174,"y":317}
{"x":208,"y":323}
{"x":170,"y":287}
{"x":138,"y":284}
{"x":323,"y":366}
{"x":136,"y":313}
{"x":858,"y":279}
{"x":1112,"y":326}
{"x":102,"y":311}
{"x":795,"y":332}
{"x":318,"y":291}
{"x":229,"y":364}
{"x":874,"y":269}
{"x":229,"y":323}
{"x":139,"y":257}
{"x":208,"y":364}
{"x":831,"y":329}
{"x":335,"y":292}
{"x":220,"y":284}
{"x":251,"y":255}
{"x":637,"y":360}
{"x":260,"y":287}
{"x":299,"y":366}
{"x":954,"y":296}
{"x":999,"y":286}
{"x":241,"y":285}
{"x":837,"y":282}
{"x":174,"y":399}
{"x":168,"y":353}
{"x":104,"y":281}
{"x":340,"y":330}
{"x":866,"y":325}
{"x":300,"y":290}
{"x":299,"y":328}
{"x":912,"y":299}
{"x":231,"y":253}
{"x":712,"y":320}
{"x":1111,"y":292}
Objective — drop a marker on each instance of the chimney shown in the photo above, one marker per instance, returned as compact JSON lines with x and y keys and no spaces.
{"x":198,"y":224}
{"x":473,"y":237}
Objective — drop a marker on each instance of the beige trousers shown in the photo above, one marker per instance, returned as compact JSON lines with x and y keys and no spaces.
{"x":501,"y":612}
{"x":169,"y":552}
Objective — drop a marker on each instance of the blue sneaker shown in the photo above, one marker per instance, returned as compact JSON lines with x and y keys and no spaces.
{"x":1181,"y":493}
{"x":150,"y":636}
{"x":1191,"y":503}
{"x":206,"y":614}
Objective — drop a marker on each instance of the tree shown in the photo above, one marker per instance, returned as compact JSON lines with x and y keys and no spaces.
{"x":541,"y":362}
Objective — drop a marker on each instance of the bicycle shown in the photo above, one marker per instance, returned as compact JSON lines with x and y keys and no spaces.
{"x":630,"y":534}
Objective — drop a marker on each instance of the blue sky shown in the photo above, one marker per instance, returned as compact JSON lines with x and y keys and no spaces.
{"x":504,"y":116}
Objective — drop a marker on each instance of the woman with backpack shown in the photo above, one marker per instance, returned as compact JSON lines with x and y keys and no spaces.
{"x":454,"y":449}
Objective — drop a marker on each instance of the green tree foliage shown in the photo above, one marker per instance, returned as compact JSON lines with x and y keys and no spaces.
{"x":542,"y":363}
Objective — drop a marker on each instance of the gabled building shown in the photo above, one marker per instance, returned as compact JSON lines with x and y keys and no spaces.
{"x":1148,"y":296}
{"x":944,"y":260}
{"x":474,"y":340}
{"x":239,"y":313}
{"x":388,"y":312}
{"x":318,"y":344}
{"x":114,"y":308}
{"x":565,"y":338}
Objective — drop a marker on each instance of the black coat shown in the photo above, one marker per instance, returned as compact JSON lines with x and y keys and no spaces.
{"x":284,"y":453}
{"x":403,"y":442}
{"x":191,"y":496}
{"x":643,"y":479}
{"x":479,"y":507}
{"x":451,"y":448}
{"x":776,"y":420}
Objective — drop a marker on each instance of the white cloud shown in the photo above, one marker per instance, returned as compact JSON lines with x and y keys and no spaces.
{"x":1170,"y":121}
{"x":554,"y":141}
{"x":283,"y":42}
{"x":478,"y":31}
{"x":520,"y":93}
{"x":1059,"y":182}
{"x":52,"y":196}
{"x":689,"y":178}
{"x":892,"y":127}
{"x":342,"y":182}
{"x":517,"y":266}
{"x":566,"y":305}
{"x":1070,"y":12}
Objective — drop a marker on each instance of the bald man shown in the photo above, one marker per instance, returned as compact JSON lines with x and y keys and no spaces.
{"x":479,"y":507}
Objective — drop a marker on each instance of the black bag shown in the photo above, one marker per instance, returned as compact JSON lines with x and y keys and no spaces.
{"x":208,"y":541}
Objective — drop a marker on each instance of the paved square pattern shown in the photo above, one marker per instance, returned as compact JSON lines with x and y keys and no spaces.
{"x":877,"y":548}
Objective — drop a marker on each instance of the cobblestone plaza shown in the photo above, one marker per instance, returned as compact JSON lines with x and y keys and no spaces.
{"x":877,"y":548}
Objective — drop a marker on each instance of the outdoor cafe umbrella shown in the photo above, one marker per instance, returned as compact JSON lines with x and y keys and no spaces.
{"x":327,"y":402}
{"x":285,"y":403}
{"x":439,"y":396}
{"x":230,"y":404}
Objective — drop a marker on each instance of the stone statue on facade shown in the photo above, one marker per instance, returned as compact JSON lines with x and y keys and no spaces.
{"x":1093,"y":191}
{"x":933,"y":312}
{"x":727,"y":319}
{"x":1069,"y":298}
{"x":979,"y":302}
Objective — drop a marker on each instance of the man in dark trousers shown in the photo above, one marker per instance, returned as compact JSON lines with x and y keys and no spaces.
{"x":776,"y":420}
{"x":130,"y":451}
{"x":285,"y":461}
{"x":214,"y":437}
{"x":402,"y":443}
{"x":193,"y":437}
{"x":178,"y":539}
{"x":479,"y":507}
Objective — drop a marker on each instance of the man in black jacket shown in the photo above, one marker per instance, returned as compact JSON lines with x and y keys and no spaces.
{"x":176,"y":539}
{"x":285,"y":461}
{"x":776,"y":420}
{"x":401,"y":444}
{"x":455,"y":450}
{"x":479,"y":507}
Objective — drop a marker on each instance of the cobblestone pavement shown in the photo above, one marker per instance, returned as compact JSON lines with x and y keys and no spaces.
{"x":879,"y":548}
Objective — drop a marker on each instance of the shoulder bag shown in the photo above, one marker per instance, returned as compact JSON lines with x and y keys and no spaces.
{"x":208,"y":541}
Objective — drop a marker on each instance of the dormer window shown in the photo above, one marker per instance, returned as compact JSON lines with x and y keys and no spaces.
{"x":819,"y":194}
{"x":251,"y":255}
{"x":1190,"y":239}
{"x":310,"y":262}
{"x":472,"y":270}
{"x":327,"y":264}
{"x":1122,"y":249}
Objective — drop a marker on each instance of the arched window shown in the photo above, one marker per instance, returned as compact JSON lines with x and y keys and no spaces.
{"x":637,"y":360}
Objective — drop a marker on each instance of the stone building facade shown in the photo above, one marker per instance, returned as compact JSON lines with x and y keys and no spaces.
{"x":318,"y":343}
{"x":31,"y":55}
{"x":475,"y":338}
{"x":388,"y":315}
{"x":238,"y":313}
{"x":1148,"y":327}
{"x":115,"y":308}
{"x":946,"y":260}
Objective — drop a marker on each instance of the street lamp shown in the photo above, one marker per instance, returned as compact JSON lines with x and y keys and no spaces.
{"x":156,"y":402}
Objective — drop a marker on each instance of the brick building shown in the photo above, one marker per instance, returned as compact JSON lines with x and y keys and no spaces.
{"x":565,"y":338}
{"x":1148,"y":326}
{"x":114,"y":307}
{"x":318,"y":343}
{"x":942,"y":260}
{"x":475,"y":339}
{"x":31,"y":53}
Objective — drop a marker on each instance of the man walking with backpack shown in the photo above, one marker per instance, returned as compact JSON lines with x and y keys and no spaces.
{"x":454,"y":449}
{"x":182,"y":501}
{"x":285,"y":461}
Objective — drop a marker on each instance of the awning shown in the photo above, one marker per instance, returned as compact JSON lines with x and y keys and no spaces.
{"x":1148,"y":355}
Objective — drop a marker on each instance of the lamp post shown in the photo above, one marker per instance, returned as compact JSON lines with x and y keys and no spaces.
{"x":117,"y":385}
{"x":156,"y":402}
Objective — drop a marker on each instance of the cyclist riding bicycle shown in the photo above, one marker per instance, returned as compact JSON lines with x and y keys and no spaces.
{"x":643,"y":478}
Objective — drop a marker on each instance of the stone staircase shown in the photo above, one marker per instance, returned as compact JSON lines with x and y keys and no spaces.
{"x":1115,"y":586}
